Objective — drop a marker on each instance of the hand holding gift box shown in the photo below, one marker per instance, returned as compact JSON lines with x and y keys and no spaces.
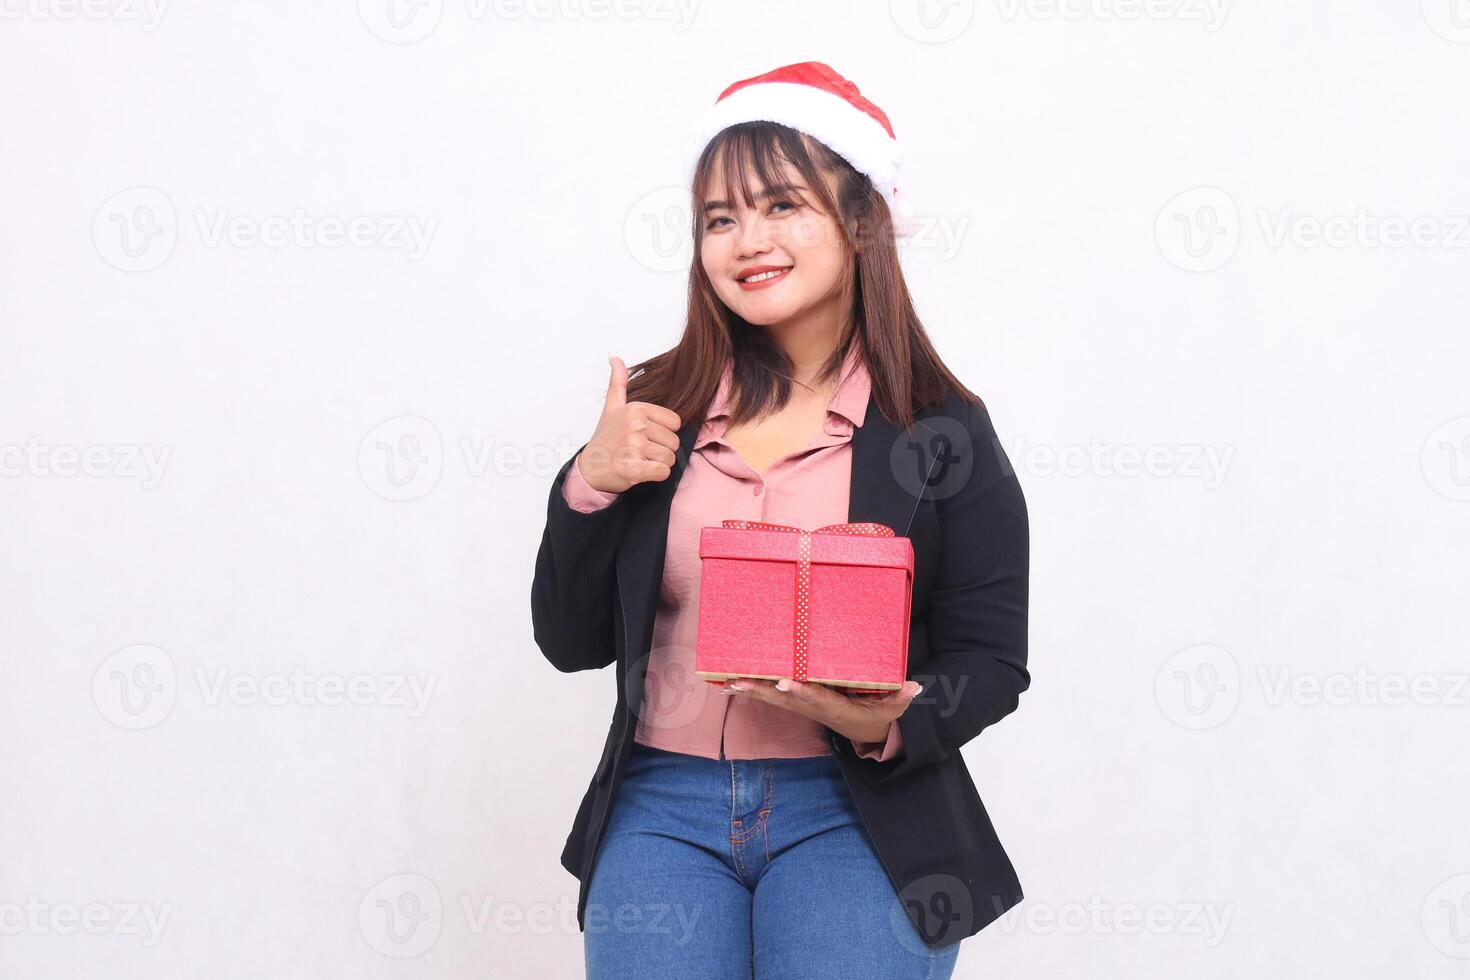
{"x":827,"y":606}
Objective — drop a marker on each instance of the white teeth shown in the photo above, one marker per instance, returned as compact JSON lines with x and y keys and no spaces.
{"x":766,"y":275}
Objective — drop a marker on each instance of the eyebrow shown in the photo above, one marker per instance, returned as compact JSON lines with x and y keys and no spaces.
{"x":779,"y":189}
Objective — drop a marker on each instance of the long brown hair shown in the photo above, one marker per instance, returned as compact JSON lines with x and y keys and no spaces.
{"x":905,"y":370}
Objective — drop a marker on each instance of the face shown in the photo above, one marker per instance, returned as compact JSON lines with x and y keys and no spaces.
{"x":796,"y":254}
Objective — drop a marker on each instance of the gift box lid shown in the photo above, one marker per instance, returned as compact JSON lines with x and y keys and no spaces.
{"x":756,"y":544}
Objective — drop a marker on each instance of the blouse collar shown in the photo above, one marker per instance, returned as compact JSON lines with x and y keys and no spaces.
{"x":849,"y":402}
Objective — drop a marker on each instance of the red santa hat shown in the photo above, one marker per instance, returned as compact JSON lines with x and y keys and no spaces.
{"x":813,"y":98}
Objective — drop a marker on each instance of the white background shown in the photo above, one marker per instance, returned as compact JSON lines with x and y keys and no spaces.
{"x":1242,"y":753}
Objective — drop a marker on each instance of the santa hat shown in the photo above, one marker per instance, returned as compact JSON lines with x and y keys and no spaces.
{"x":814,"y":99}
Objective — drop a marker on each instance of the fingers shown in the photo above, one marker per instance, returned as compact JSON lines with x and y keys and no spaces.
{"x":657,"y":414}
{"x":659,"y":436}
{"x":643,"y":447}
{"x":819,"y":702}
{"x":617,"y":384}
{"x":651,"y":471}
{"x":900,"y":697}
{"x":813,"y":700}
{"x":641,"y":438}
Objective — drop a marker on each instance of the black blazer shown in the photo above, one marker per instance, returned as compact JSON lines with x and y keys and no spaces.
{"x":596,"y":589}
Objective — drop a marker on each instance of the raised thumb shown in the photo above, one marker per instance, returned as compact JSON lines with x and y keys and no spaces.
{"x":617,"y":385}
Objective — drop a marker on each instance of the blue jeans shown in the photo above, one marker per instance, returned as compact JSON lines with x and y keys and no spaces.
{"x":731,"y":869}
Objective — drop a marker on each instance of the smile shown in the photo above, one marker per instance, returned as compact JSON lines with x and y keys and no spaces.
{"x":763,"y":278}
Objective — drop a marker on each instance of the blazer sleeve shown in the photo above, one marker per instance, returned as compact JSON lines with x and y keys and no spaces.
{"x":977,"y":611}
{"x":573,"y":590}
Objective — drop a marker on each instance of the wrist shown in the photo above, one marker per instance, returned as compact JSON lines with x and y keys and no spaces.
{"x":590,"y":478}
{"x":870,"y":733}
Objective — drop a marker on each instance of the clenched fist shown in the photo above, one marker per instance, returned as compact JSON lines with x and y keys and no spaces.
{"x":634,"y":442}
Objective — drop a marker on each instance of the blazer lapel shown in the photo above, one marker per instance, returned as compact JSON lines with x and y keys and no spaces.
{"x":875,"y":493}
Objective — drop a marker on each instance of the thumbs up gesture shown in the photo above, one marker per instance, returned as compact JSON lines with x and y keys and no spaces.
{"x":635,"y":442}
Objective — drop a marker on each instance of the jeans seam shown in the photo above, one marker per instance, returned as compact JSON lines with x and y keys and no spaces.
{"x":745,"y":835}
{"x":768,"y":807}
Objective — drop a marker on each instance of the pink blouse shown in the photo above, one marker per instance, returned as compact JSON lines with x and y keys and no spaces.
{"x":807,"y":488}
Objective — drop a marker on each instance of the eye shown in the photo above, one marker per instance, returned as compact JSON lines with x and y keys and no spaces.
{"x":793,"y":205}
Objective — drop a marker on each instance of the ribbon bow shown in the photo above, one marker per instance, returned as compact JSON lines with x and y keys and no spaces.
{"x":801,"y":633}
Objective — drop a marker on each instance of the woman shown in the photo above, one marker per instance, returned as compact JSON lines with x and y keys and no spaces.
{"x":776,"y":828}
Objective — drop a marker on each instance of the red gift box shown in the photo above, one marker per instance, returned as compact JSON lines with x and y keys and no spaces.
{"x":828,"y":606}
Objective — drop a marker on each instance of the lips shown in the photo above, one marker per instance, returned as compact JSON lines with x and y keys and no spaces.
{"x":759,"y":275}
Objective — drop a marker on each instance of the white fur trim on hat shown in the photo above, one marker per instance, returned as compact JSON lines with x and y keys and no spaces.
{"x":853,"y":134}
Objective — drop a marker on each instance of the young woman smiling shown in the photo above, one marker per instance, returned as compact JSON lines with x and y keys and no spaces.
{"x":775,"y":828}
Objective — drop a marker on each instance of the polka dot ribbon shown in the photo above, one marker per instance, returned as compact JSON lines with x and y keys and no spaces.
{"x":804,"y":573}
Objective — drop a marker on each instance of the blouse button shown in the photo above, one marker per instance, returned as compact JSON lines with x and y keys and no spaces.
{"x":757,"y":491}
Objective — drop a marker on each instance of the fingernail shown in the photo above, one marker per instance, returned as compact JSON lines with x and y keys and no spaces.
{"x":734,"y":687}
{"x":783,"y":685}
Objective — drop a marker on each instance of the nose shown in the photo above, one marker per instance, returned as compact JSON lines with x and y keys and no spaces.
{"x":753,"y":238}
